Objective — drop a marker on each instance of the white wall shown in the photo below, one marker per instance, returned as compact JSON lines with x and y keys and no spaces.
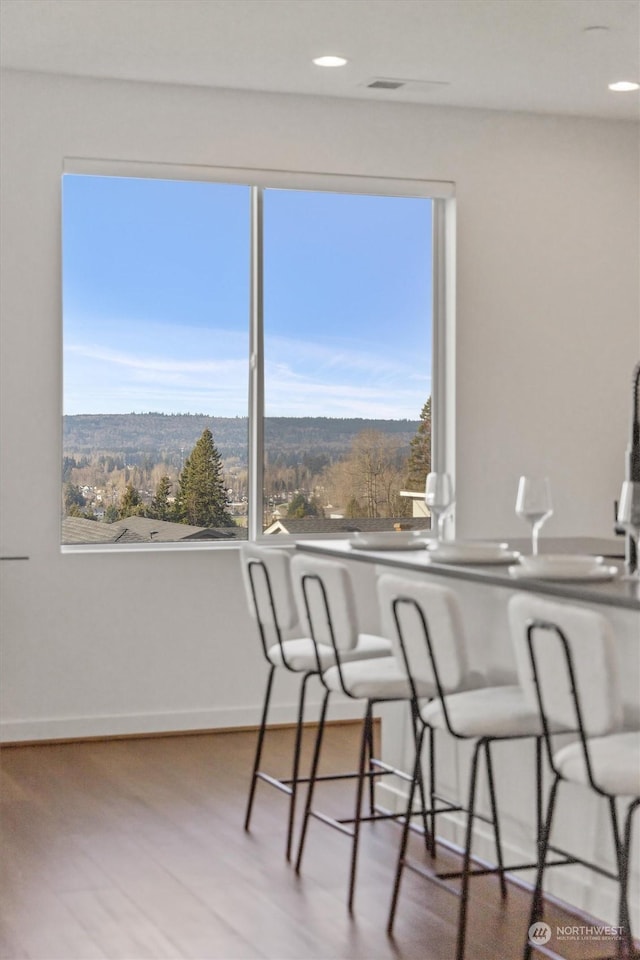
{"x":548,"y":306}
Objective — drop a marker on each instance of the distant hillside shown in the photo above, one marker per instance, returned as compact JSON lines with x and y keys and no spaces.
{"x":161,"y":436}
{"x":169,"y":436}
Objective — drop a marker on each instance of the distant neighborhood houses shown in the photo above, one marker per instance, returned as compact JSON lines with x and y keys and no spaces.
{"x":77,"y":530}
{"x":345,"y":525}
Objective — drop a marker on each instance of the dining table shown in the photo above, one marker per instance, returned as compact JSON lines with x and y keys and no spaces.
{"x":483,"y":590}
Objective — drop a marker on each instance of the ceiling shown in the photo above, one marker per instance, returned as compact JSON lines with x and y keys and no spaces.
{"x":536,"y":55}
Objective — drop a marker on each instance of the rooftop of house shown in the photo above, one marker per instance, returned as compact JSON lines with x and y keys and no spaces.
{"x":164,"y":531}
{"x":145,"y":530}
{"x":346,"y":524}
{"x":140,"y":530}
{"x":80,"y":530}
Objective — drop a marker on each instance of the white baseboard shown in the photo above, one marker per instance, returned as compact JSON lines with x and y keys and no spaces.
{"x":115,"y":725}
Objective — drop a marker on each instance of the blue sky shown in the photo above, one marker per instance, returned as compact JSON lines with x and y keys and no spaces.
{"x":156,"y":300}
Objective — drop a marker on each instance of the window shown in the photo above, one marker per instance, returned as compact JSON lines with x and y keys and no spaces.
{"x":242,"y":358}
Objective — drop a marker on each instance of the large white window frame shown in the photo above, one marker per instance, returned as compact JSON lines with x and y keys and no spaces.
{"x":442,"y":193}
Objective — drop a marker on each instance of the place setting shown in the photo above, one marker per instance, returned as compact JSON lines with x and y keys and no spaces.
{"x":440,"y":500}
{"x":534,"y":504}
{"x":567,"y":567}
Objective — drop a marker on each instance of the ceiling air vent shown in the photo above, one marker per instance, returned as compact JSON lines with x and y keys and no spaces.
{"x":386,"y":84}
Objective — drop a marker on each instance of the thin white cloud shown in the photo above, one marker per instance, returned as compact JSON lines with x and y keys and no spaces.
{"x":295,"y":352}
{"x":303,"y":378}
{"x":153,"y":364}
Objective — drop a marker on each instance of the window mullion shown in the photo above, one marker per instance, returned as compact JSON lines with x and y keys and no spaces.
{"x":443,"y":457}
{"x":256,"y":370}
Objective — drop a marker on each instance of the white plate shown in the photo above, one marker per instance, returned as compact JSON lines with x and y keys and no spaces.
{"x":387,"y":540}
{"x":564,"y":562}
{"x":451,"y":551}
{"x":597,"y":572}
{"x":468,"y":545}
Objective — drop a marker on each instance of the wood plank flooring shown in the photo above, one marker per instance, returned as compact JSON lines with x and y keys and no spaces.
{"x":134,"y":850}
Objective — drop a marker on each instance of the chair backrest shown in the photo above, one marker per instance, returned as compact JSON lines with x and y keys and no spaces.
{"x":324,"y":593}
{"x":554,"y":641}
{"x":428,"y":633}
{"x":267,"y":578}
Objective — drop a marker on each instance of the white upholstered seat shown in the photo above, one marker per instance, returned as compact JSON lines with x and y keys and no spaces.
{"x":325,"y":593}
{"x":300,"y":654}
{"x":487,"y":712}
{"x":566,"y":656}
{"x":286,"y":645}
{"x":271,"y":602}
{"x":431,"y":636}
{"x":381,"y":679}
{"x":615,"y":763}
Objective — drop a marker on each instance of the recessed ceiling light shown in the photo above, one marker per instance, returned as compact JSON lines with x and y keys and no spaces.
{"x":330,"y":61}
{"x":623,"y":86}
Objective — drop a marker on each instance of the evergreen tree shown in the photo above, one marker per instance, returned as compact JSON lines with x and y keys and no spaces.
{"x":202,"y":499}
{"x":111,"y":514}
{"x":131,"y":505}
{"x":419,"y":463}
{"x":72,"y":497}
{"x":76,"y":511}
{"x":301,"y":506}
{"x":159,"y":509}
{"x":68,"y":463}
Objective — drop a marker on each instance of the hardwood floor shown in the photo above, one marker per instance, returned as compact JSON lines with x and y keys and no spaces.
{"x":134,"y":849}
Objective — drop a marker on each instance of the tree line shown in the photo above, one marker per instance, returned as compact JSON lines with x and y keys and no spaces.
{"x":200,"y":500}
{"x":365,"y":482}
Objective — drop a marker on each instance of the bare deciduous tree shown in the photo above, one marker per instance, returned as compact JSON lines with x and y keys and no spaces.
{"x":367,"y":483}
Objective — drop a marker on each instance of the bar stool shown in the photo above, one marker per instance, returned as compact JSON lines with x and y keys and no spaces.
{"x":327,"y":597}
{"x":567,"y":664}
{"x":271,"y":601}
{"x":434,"y":650}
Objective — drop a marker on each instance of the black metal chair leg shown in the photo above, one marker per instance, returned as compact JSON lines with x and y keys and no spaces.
{"x":370,"y":755}
{"x":617,"y":845}
{"x":624,"y":919}
{"x":296,"y":764}
{"x":623,"y":849}
{"x":364,"y":746}
{"x":312,"y":780}
{"x":405,"y":836}
{"x":429,"y":837}
{"x":464,"y":891}
{"x":432,"y":787}
{"x":259,"y":745}
{"x":536,"y":904}
{"x":496,"y":821}
{"x":539,"y":814}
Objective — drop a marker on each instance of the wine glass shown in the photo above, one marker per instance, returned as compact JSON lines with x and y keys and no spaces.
{"x":533,"y":504}
{"x":438,"y":496}
{"x":629,"y":519}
